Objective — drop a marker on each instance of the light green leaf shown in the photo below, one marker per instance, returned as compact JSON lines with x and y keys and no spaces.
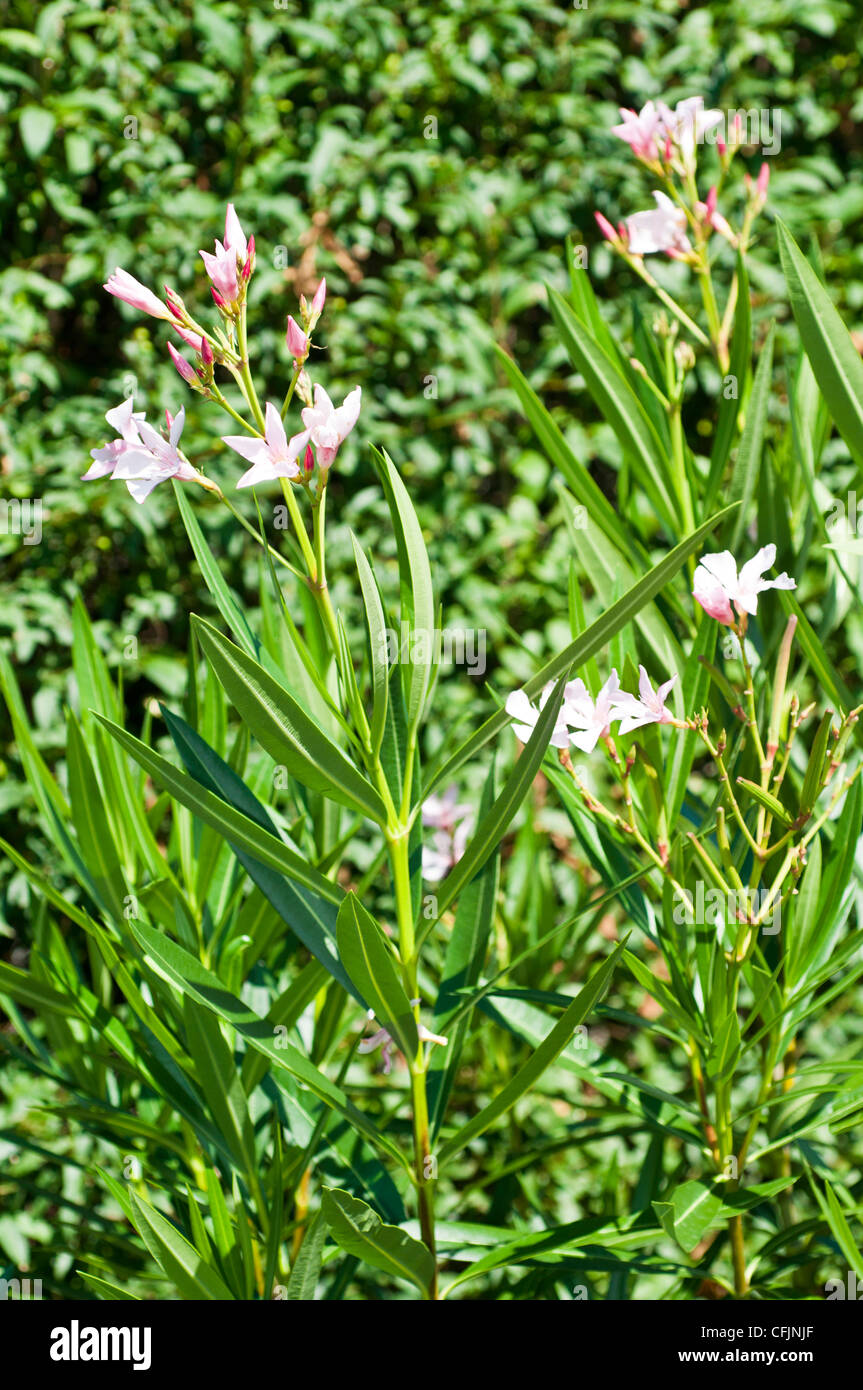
{"x":360,"y":1232}
{"x":368,"y":959}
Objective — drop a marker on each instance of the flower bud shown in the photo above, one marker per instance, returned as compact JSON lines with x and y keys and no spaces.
{"x":297,"y":341}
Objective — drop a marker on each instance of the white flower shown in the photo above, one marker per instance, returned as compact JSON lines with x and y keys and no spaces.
{"x":525,"y":714}
{"x":661,"y":230}
{"x":717,"y":584}
{"x":271,"y":457}
{"x":141,"y":457}
{"x":649,"y":708}
{"x":590,"y":718}
{"x":688,"y":123}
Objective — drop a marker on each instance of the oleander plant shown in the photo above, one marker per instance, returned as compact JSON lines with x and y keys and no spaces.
{"x":336,"y":990}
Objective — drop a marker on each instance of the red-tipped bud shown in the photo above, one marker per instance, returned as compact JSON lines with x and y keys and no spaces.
{"x":722,"y":148}
{"x":763,"y":180}
{"x":207,"y":355}
{"x":309,"y":460}
{"x":605,"y":227}
{"x":250,"y":259}
{"x":710,"y":205}
{"x":219,"y":301}
{"x":668,"y":149}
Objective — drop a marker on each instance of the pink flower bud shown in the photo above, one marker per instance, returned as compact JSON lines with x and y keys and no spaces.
{"x":298,"y":343}
{"x":320,"y":298}
{"x":722,"y":148}
{"x":124,"y":286}
{"x":605,"y":227}
{"x":763,"y":180}
{"x":186,"y":370}
{"x":207,"y":356}
{"x":250,"y":259}
{"x":710,"y":205}
{"x":217,"y":297}
{"x":309,"y":460}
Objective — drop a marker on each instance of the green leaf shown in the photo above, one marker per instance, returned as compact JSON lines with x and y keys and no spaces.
{"x":748,"y":461}
{"x":555,"y":446}
{"x":835,"y":360}
{"x":311,"y":916}
{"x":237,"y":828}
{"x":219,"y":1079}
{"x":378,"y":652}
{"x":225,"y":601}
{"x":369,"y":960}
{"x":621,"y":408}
{"x":284,"y":729}
{"x":691,"y":1212}
{"x":360,"y":1232}
{"x":416,"y":578}
{"x":21,"y":986}
{"x":541,"y":1058}
{"x":37,"y":130}
{"x":597,"y":636}
{"x":463,"y":962}
{"x":306,"y":1268}
{"x":191,"y":977}
{"x":179,"y":1261}
{"x":730,"y":405}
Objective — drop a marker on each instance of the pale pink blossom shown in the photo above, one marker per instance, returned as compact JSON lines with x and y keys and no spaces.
{"x":328,"y":426}
{"x":452,"y":823}
{"x":648,"y":708}
{"x":141,"y":457}
{"x":717,"y":584}
{"x":660,"y":229}
{"x":320,"y":298}
{"x":688,"y":123}
{"x":124,"y":286}
{"x":271,"y":457}
{"x":230,"y":258}
{"x":234,"y":239}
{"x":590,"y":718}
{"x":640,"y":130}
{"x":524,"y":715}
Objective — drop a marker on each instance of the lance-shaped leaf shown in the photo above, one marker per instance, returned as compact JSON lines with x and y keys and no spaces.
{"x":191,"y":977}
{"x":378,"y":651}
{"x":597,"y":636}
{"x":416,"y":584}
{"x":178,"y":1260}
{"x":237,"y":828}
{"x":732,"y":388}
{"x":369,"y":961}
{"x":748,"y":460}
{"x":621,"y":407}
{"x":829,"y":347}
{"x":465,"y":956}
{"x":360,"y":1232}
{"x":284,"y":729}
{"x":311,"y":916}
{"x":540,"y":1059}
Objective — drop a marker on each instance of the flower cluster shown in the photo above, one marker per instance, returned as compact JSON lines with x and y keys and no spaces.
{"x":141,"y":457}
{"x":582,"y":721}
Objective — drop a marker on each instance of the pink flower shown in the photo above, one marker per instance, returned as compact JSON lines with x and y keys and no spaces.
{"x":590,"y":718}
{"x":640,"y":130}
{"x":228,"y":259}
{"x":688,"y":123}
{"x":298,"y":343}
{"x":328,"y":426}
{"x":141,"y":457}
{"x":452,"y":824}
{"x":131,"y":291}
{"x":524,"y":715}
{"x":222,"y":270}
{"x":271,"y":457}
{"x":649,"y":708}
{"x":661,"y":230}
{"x":717,"y":585}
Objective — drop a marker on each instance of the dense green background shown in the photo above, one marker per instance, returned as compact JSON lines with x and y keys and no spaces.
{"x":316,"y":117}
